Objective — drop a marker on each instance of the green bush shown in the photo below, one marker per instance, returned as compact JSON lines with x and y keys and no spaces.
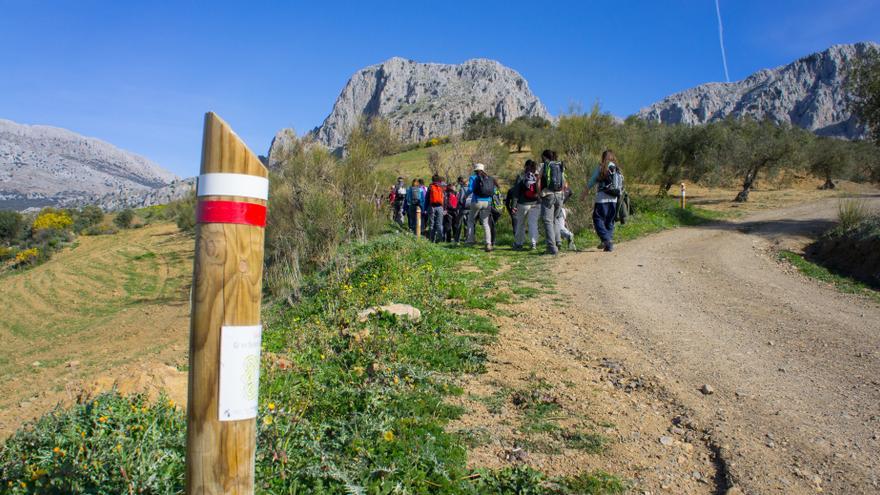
{"x":319,"y":202}
{"x":11,"y":223}
{"x":87,"y":217}
{"x":124,"y":218}
{"x":182,"y":212}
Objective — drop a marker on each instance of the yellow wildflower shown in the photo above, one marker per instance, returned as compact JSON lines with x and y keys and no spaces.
{"x":388,"y":436}
{"x":170,"y":403}
{"x":57,"y":450}
{"x":267,"y":420}
{"x":119,"y":447}
{"x":396,"y":380}
{"x":271,"y":406}
{"x":102,"y":419}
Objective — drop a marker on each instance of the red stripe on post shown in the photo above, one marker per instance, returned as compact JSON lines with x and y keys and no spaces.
{"x":231,"y":212}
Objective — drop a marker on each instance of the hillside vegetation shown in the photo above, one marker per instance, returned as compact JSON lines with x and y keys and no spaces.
{"x":103,"y":301}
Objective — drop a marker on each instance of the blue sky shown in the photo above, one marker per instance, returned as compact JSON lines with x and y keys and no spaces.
{"x":141,"y":74}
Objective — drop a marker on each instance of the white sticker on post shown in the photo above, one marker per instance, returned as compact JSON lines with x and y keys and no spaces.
{"x":239,"y":372}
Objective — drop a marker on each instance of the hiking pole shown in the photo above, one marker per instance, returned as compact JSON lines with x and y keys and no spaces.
{"x":418,"y":222}
{"x":225,"y":329}
{"x":683,"y":199}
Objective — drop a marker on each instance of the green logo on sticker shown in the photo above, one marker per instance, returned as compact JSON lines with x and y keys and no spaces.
{"x":251,"y":377}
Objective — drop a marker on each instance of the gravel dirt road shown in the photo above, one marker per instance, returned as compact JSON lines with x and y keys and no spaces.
{"x":793,"y":365}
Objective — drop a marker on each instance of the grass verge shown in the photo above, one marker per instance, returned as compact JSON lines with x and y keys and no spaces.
{"x":347,"y":406}
{"x":819,"y":272}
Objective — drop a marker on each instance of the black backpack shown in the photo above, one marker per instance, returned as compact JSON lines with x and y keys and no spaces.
{"x":484,"y":186}
{"x":553,"y":176}
{"x":612,"y":185}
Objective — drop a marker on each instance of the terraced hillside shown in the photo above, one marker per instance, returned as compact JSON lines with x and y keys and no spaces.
{"x":109,"y":306}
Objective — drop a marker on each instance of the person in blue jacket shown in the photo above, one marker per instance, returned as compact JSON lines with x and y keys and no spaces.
{"x":481,"y":187}
{"x":415,"y":198}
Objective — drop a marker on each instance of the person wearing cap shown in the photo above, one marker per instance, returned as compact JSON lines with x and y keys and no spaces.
{"x":398,"y":197}
{"x":481,"y":206}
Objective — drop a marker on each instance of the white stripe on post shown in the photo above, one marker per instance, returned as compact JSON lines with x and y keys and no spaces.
{"x":223,"y":184}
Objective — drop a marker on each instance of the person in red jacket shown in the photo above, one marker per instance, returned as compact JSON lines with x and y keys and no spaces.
{"x":436,"y":202}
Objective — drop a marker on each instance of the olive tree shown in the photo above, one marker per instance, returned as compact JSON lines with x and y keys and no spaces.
{"x":864,"y":84}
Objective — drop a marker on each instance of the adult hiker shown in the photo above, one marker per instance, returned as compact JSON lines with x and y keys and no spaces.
{"x":452,"y":218}
{"x":397,"y":197}
{"x":437,"y":204}
{"x":481,"y":188}
{"x":414,"y":199}
{"x":608,"y":180}
{"x":426,"y":218}
{"x":460,"y":219}
{"x":552,"y":185}
{"x":525,"y":205}
{"x":496,"y":208}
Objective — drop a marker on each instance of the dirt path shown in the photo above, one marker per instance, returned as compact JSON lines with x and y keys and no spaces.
{"x":112,"y":310}
{"x":794,"y":364}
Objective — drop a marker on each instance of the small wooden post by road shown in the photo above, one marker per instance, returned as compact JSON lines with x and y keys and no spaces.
{"x":225,"y":330}
{"x":418,"y":222}
{"x":683,"y":199}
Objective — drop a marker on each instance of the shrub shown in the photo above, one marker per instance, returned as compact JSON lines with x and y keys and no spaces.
{"x":124,"y":218}
{"x":87,"y":217}
{"x":11,"y":223}
{"x":481,"y":126}
{"x":183,"y":213}
{"x":7,"y":253}
{"x":52,"y":219}
{"x":852,"y":212}
{"x":27,"y":256}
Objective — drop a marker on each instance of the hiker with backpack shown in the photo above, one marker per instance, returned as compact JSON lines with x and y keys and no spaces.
{"x":426,"y":218}
{"x":414,"y":199}
{"x":525,"y":205}
{"x":459,"y":221}
{"x":497,"y":212}
{"x":480,"y":190}
{"x":437,"y":204}
{"x":397,"y":198}
{"x":552,"y":186}
{"x":608,"y":180}
{"x":452,"y":218}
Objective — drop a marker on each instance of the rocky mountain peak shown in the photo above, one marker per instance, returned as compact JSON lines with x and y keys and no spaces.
{"x":810,"y":92}
{"x":424,"y":100}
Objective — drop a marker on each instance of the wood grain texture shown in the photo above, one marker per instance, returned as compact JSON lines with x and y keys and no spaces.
{"x":227,"y":285}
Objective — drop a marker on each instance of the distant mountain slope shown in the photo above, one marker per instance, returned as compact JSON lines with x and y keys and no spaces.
{"x":810,"y":93}
{"x":424,"y":100}
{"x":42,"y":165}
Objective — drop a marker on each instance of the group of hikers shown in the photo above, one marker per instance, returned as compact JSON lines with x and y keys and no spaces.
{"x":441,"y":211}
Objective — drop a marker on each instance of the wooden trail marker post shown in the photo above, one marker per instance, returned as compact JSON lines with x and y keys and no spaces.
{"x":418,"y":222}
{"x":225,"y":330}
{"x":683,"y":200}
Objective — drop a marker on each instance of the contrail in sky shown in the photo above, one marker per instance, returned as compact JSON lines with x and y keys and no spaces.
{"x":721,"y":40}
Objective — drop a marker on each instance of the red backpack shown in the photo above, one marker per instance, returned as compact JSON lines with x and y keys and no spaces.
{"x":453,"y":200}
{"x":435,"y":195}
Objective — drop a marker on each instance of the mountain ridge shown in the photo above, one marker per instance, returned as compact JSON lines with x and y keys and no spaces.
{"x":809,"y":92}
{"x":43,"y":165}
